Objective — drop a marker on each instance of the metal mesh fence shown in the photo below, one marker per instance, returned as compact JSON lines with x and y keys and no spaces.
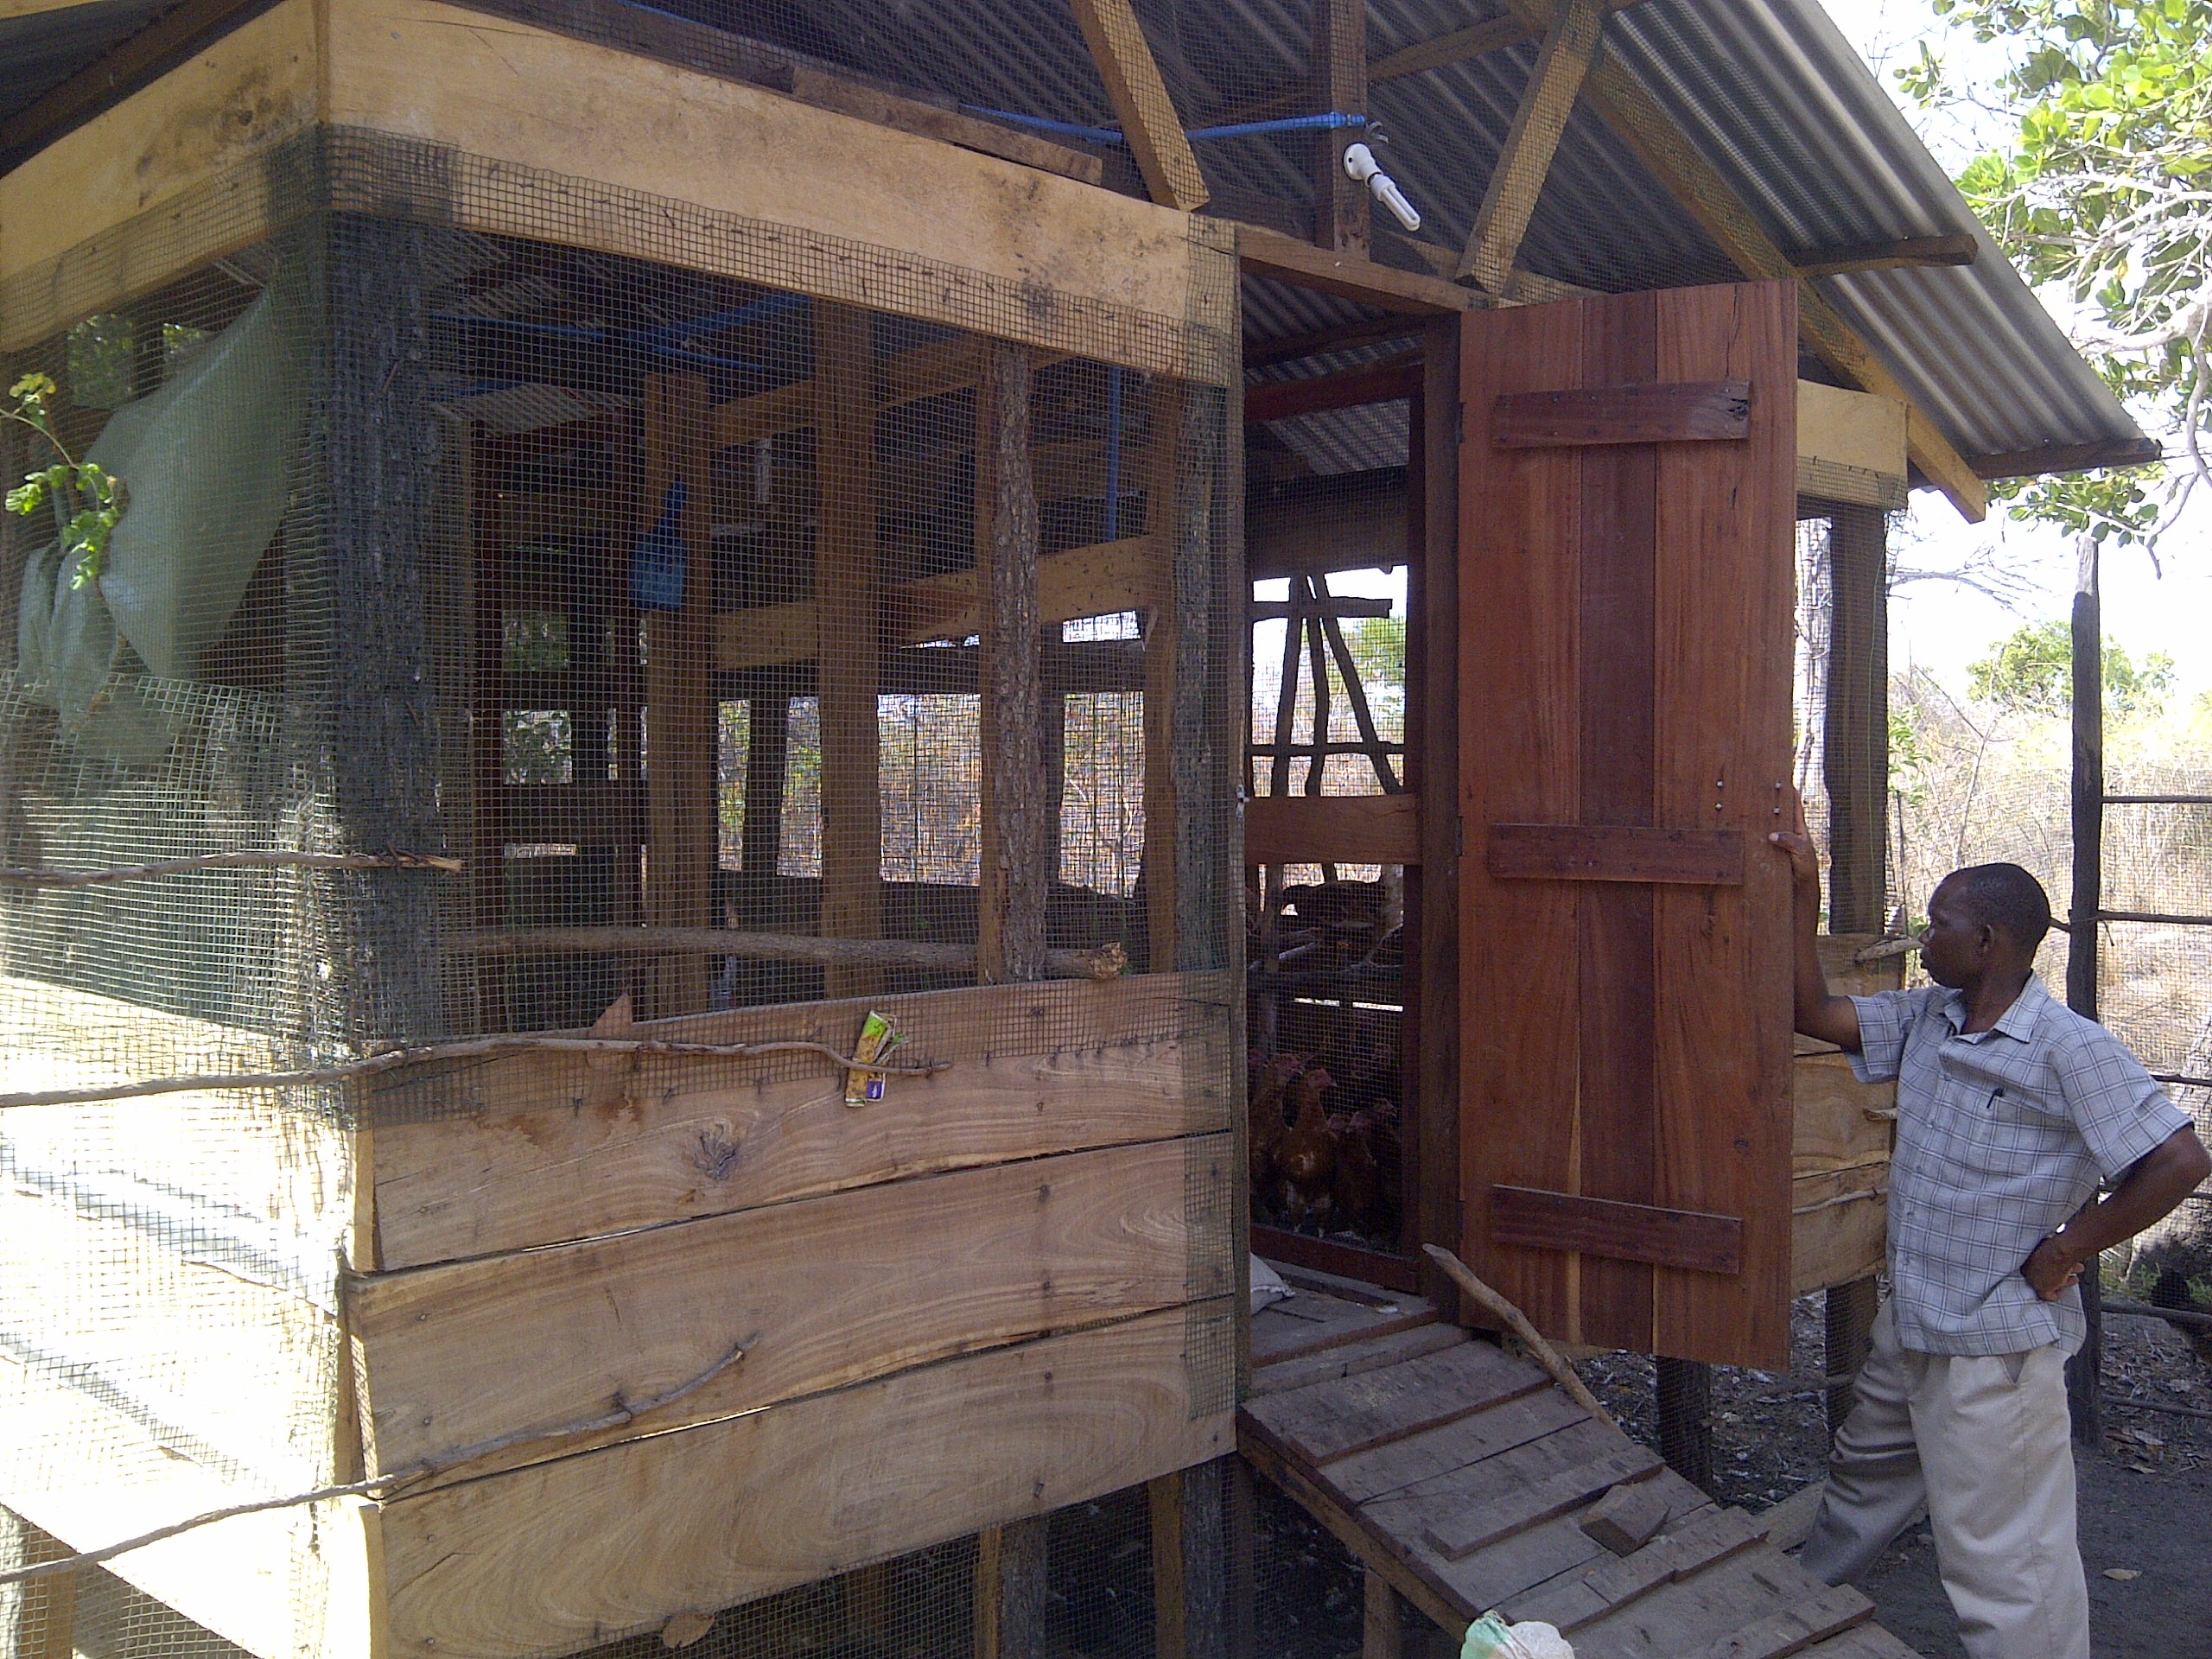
{"x":554,"y":685}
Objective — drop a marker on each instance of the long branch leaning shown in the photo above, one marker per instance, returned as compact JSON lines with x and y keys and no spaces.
{"x":1108,"y":962}
{"x":470,"y":1048}
{"x":24,"y":876}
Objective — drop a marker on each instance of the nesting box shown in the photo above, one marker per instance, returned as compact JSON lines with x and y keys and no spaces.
{"x":657,"y":736}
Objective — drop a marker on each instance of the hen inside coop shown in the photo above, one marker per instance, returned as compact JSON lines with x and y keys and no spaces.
{"x":1331,"y":829}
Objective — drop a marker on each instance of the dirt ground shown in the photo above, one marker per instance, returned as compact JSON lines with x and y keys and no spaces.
{"x":2146,"y":1495}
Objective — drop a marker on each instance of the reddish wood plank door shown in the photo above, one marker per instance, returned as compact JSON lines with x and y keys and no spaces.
{"x":1625,"y":616}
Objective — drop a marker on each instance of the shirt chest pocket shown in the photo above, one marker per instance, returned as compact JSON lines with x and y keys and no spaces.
{"x":1994,"y":1136}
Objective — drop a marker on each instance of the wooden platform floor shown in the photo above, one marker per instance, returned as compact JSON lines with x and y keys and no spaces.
{"x":1459,"y":1473}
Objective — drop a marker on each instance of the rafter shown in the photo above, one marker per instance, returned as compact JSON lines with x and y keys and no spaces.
{"x":1668,"y":155}
{"x":1570,"y":48}
{"x":1140,"y":97}
{"x":1901,"y":253}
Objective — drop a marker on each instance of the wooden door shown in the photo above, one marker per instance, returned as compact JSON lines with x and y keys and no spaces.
{"x":1627,"y":496}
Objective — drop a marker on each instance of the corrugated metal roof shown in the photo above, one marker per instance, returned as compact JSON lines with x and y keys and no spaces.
{"x":1769,"y":91}
{"x":40,"y":51}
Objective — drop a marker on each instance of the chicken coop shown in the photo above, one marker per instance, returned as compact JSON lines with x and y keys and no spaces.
{"x":772,"y":741}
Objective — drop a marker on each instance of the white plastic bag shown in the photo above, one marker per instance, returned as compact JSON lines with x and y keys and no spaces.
{"x":1491,"y":1637}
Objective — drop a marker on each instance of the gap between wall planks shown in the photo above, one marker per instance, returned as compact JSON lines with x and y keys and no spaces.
{"x":838,"y":1289}
{"x":739,"y":1507}
{"x":550,"y":1150}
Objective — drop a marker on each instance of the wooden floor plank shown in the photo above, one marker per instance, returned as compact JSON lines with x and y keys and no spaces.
{"x":1615,"y":1582}
{"x":1868,"y":1641}
{"x":1325,"y":1422}
{"x":1309,"y":1324}
{"x":1558,"y":1552}
{"x":1756,"y":1604}
{"x":1349,"y":1359}
{"x":1470,"y":1439}
{"x":1500,"y":1514}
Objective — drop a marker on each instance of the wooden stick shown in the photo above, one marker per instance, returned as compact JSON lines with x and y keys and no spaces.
{"x":625,"y":1412}
{"x":20,"y":875}
{"x":1547,"y":1356}
{"x":1108,"y":962}
{"x":469,"y":1049}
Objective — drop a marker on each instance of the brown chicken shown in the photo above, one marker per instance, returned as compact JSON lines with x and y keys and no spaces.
{"x":1306,"y":1161}
{"x":1358,"y":1189}
{"x":1265,"y":1125}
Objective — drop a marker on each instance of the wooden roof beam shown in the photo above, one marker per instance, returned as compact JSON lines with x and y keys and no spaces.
{"x":1270,"y":253}
{"x":1140,"y":97}
{"x":1570,"y":48}
{"x":136,"y":58}
{"x":1903,"y":253}
{"x":1667,"y":153}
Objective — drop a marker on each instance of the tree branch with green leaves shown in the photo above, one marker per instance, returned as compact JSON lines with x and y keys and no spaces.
{"x":2105,"y":192}
{"x":86,"y":498}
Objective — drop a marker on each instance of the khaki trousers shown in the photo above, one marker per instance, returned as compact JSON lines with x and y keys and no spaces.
{"x":1985,"y":1445}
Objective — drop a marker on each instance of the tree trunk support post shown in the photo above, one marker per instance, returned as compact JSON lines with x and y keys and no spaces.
{"x":847,"y":584}
{"x":1685,"y":1388}
{"x":1190,"y":1562}
{"x":2083,"y":1393}
{"x":1855,"y":765}
{"x":1011,"y":1561}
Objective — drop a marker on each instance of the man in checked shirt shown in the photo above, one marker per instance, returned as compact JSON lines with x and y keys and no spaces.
{"x":2010,"y":1108}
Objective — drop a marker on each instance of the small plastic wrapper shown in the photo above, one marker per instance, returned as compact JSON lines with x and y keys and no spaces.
{"x":879,"y":1036}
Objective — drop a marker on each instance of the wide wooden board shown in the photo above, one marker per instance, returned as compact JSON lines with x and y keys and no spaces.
{"x":571,"y":1553}
{"x":818,"y":1294}
{"x":531,"y":1150}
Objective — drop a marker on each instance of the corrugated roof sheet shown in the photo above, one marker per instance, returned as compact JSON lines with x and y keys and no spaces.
{"x":1769,"y":91}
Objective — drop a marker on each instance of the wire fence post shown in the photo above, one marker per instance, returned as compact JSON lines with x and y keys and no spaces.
{"x":2082,"y":1371}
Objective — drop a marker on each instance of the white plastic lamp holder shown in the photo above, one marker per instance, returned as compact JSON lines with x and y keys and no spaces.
{"x":1360,"y":163}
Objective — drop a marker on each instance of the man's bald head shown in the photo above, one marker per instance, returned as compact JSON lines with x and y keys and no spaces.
{"x":2006,"y":897}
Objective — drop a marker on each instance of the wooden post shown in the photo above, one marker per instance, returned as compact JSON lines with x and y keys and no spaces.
{"x":1686,"y":1419}
{"x":1856,"y":734}
{"x":767,"y":757}
{"x":373,"y":732}
{"x":1432,"y":1159}
{"x":38,"y":1618}
{"x":1190,"y":1563}
{"x":1855,"y":765}
{"x":1010,"y":1591}
{"x":1243,"y":1523}
{"x":1383,"y":1626}
{"x":2083,"y":1372}
{"x":1010,"y":925}
{"x":847,"y":586}
{"x":1162,"y":640}
{"x":680,"y":727}
{"x":487,"y":862}
{"x":1341,"y":206}
{"x":1010,"y":1562}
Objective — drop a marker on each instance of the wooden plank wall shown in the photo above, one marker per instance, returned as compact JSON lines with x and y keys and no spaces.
{"x":960,"y":1307}
{"x":1839,"y":1163}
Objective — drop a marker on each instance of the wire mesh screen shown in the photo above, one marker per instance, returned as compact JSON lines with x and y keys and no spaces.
{"x":614,"y":784}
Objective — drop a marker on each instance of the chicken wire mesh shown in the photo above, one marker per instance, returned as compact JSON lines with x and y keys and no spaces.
{"x":526,"y":647}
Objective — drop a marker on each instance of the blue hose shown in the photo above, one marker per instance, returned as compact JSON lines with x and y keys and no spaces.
{"x":1331,"y":122}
